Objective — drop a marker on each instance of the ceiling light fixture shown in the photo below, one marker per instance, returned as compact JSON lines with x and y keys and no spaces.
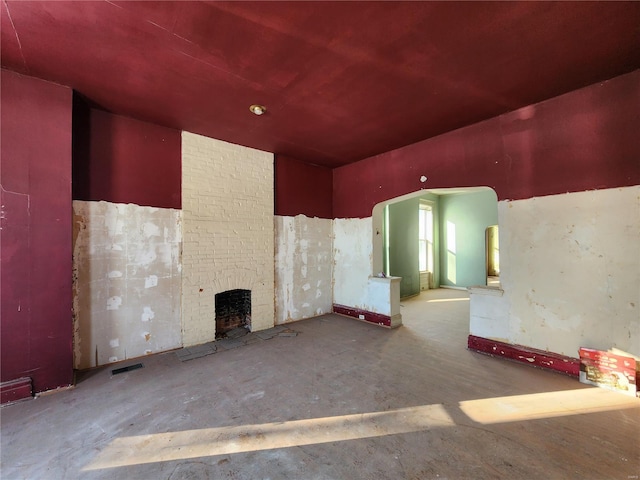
{"x":258,"y":109}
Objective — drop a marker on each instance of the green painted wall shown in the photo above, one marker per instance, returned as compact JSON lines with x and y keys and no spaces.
{"x":463,"y":221}
{"x":403,"y":245}
{"x":464,"y":265}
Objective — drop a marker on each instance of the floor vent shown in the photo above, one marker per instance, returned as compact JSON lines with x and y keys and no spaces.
{"x":127,"y":369}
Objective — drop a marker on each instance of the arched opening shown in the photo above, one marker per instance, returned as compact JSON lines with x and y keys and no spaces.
{"x":435,"y":238}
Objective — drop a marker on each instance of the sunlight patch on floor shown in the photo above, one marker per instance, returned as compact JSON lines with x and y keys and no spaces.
{"x":162,"y":447}
{"x":545,"y":405}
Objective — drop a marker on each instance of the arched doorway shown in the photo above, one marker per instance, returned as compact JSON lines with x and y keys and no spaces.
{"x":434,"y":238}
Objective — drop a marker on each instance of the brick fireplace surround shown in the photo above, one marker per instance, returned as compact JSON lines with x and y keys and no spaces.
{"x":228,"y":232}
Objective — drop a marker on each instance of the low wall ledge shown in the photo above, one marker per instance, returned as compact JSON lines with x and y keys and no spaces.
{"x":385,"y":279}
{"x":486,"y":290}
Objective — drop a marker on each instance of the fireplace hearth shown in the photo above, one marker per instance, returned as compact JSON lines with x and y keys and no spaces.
{"x":233,"y":310}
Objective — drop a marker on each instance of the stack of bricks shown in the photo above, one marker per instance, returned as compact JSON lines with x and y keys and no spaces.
{"x":228,"y":232}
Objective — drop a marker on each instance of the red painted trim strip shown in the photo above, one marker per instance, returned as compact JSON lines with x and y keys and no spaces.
{"x":539,"y":358}
{"x":370,"y":317}
{"x":15,"y":390}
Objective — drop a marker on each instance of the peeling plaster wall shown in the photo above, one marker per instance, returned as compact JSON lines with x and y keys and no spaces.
{"x":127,"y":272}
{"x":352,"y":261}
{"x":228,"y":243}
{"x":570,"y":271}
{"x":303,"y":267}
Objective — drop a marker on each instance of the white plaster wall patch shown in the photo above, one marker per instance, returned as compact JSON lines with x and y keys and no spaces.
{"x":570,"y":269}
{"x":284,"y":268}
{"x":114,"y":257}
{"x":114,"y":224}
{"x":352,"y":254}
{"x":113,"y":303}
{"x":150,"y":230}
{"x":151,"y":281}
{"x":303,"y":245}
{"x":145,"y":257}
{"x":147,"y":314}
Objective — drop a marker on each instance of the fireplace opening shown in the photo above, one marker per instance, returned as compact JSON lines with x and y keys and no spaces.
{"x":233,"y":311}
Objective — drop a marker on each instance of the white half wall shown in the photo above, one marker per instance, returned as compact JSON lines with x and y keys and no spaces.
{"x":126,"y":282}
{"x":570,"y":272}
{"x":303,"y":270}
{"x":352,"y":261}
{"x":228,"y":242}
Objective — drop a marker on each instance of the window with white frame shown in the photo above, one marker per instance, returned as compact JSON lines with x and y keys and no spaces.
{"x":425,"y":238}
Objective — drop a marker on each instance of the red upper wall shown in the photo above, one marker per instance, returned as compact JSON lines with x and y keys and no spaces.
{"x":302,"y":188}
{"x":586,"y":139}
{"x":121,"y":160}
{"x":35,"y":246}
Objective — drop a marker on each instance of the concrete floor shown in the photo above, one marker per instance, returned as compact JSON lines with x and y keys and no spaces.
{"x":341,"y":400}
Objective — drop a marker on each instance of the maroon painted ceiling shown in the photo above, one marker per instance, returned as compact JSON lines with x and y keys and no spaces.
{"x":341,"y":81}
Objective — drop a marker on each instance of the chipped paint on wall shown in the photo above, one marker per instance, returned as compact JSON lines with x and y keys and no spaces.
{"x":570,"y":272}
{"x":127,"y":281}
{"x":303,"y":267}
{"x":352,"y":257}
{"x":113,"y":303}
{"x":147,"y":314}
{"x":354,"y":285}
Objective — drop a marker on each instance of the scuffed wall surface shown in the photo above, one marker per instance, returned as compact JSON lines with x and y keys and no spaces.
{"x":127,"y":272}
{"x":228,"y":243}
{"x":570,"y":271}
{"x":303,"y":267}
{"x":352,"y":254}
{"x":35,"y":231}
